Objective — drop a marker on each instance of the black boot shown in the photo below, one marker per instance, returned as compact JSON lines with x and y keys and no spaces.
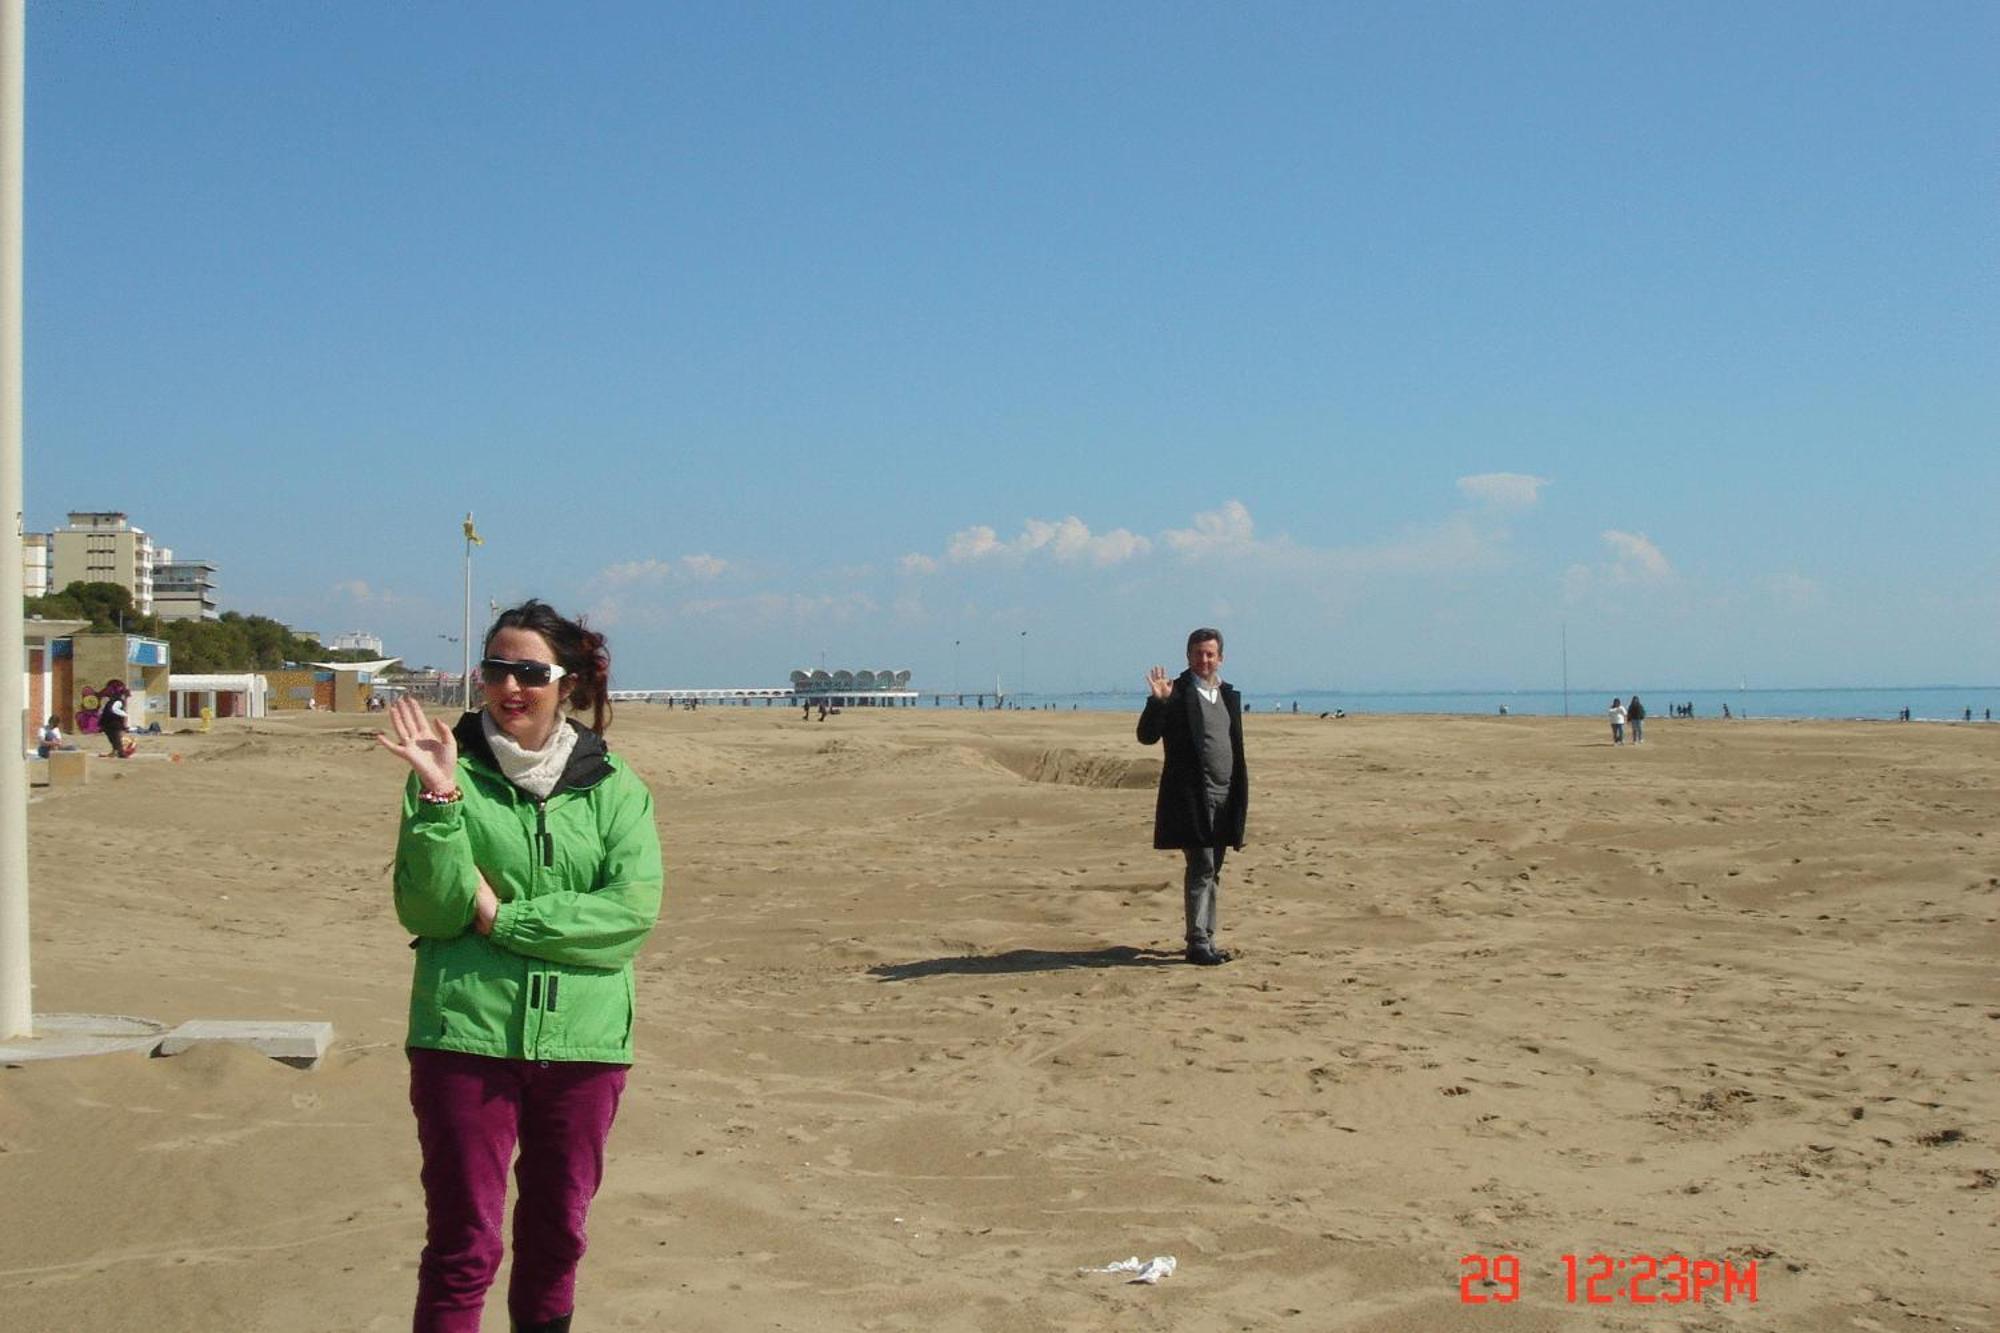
{"x":560,"y":1324}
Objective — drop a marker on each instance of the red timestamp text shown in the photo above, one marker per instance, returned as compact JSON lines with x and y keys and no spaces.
{"x":1604,"y":1279}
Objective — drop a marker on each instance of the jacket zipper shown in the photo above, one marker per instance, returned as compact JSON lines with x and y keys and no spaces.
{"x":547,"y":846}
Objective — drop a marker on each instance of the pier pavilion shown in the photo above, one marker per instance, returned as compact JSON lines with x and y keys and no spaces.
{"x":835,"y":689}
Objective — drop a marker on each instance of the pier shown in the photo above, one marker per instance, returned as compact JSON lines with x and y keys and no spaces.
{"x":742,"y":696}
{"x":835,"y":689}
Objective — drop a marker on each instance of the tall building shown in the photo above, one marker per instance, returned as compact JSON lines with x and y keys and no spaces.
{"x":103,"y":547}
{"x":357,"y":641}
{"x":183,"y":589}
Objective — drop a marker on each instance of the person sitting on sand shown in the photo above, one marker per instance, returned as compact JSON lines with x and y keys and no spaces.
{"x":1204,"y":798}
{"x":51,"y":737}
{"x":528,"y":868}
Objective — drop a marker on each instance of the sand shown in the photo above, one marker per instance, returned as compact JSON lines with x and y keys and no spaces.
{"x":916,"y":1043}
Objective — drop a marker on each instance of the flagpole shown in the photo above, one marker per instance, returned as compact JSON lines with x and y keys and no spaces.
{"x":1565,"y":668}
{"x":465,"y":633}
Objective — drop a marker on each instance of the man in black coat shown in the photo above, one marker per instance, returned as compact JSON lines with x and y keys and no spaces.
{"x":1204,"y":786}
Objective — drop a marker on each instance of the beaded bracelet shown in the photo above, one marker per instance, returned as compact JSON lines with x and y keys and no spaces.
{"x":429,"y":797}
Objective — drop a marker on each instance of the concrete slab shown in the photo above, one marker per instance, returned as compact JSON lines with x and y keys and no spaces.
{"x":69,"y":768}
{"x":300,"y":1044}
{"x":58,"y":1036}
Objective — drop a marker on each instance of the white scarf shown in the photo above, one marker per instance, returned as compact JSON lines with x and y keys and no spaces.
{"x":535,"y":772}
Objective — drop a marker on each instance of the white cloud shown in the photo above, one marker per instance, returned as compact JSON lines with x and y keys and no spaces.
{"x":1218,"y":529}
{"x":1634,"y":562}
{"x":972,"y":544}
{"x":362,"y":593}
{"x":689,"y":568}
{"x":1503,"y":490}
{"x":1635,"y":558}
{"x":1067,"y":540}
{"x":703,"y":565}
{"x":1457,"y":544}
{"x":1451,"y":547}
{"x":1117,"y":546}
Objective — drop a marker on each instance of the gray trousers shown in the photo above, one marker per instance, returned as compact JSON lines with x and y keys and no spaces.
{"x":1204,"y":864}
{"x":1204,"y":867}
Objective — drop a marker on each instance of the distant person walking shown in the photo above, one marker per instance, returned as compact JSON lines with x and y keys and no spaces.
{"x":1204,"y":799}
{"x":1617,"y":722}
{"x":528,"y":868}
{"x":1635,"y":713}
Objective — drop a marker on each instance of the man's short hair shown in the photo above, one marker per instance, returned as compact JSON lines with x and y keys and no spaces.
{"x":1204,"y":634}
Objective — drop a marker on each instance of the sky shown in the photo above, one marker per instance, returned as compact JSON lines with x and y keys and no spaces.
{"x":1006,"y":343}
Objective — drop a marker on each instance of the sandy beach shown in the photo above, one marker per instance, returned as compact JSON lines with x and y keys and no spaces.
{"x":916,"y":1043}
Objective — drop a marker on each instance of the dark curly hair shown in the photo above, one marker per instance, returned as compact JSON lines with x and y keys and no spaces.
{"x":581,"y":652}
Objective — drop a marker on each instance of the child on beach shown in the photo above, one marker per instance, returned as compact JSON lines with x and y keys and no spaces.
{"x":528,"y":868}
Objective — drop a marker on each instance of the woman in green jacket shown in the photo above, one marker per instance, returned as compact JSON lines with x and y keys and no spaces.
{"x":528,"y":868}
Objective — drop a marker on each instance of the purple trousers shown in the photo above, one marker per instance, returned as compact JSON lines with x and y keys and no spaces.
{"x":471,"y":1111}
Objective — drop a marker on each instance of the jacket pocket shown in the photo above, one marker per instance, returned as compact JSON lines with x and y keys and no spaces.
{"x":586,"y":1013}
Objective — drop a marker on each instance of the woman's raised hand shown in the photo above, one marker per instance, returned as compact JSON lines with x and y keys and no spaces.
{"x":425,"y":744}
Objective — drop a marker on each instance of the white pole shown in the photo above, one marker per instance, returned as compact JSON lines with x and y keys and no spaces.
{"x":17,"y":1006}
{"x":465,"y":634}
{"x":1565,"y":668}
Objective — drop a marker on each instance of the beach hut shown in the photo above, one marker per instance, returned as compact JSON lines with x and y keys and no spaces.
{"x":95,"y":659}
{"x":46,"y":676}
{"x":224,"y":695}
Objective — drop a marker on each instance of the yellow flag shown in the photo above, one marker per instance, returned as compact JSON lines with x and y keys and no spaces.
{"x":471,"y":535}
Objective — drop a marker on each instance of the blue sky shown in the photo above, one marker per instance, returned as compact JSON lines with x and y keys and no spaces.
{"x":1391,"y":338}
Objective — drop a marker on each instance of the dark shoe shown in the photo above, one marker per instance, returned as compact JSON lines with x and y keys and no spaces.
{"x":1208,"y":957}
{"x":560,"y":1324}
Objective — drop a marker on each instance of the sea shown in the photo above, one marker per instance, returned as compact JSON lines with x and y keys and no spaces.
{"x":1926,"y":703}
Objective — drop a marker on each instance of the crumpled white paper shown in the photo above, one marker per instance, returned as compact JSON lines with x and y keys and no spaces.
{"x":1149,"y":1271}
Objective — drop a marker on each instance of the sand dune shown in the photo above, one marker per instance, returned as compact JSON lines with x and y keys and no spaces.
{"x":916,"y":1043}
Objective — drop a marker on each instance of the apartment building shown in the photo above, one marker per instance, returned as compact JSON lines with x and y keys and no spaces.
{"x":103,"y":547}
{"x":183,"y":589}
{"x":34,"y":564}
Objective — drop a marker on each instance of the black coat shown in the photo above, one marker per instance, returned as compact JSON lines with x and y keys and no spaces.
{"x":1180,"y":818}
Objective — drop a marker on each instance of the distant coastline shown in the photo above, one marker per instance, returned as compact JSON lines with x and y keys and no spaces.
{"x":1927,"y":703}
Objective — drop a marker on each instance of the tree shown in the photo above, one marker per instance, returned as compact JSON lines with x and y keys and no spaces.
{"x":107,"y":606}
{"x":234,"y":643}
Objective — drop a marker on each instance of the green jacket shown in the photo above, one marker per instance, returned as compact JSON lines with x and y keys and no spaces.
{"x":579,"y":880}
